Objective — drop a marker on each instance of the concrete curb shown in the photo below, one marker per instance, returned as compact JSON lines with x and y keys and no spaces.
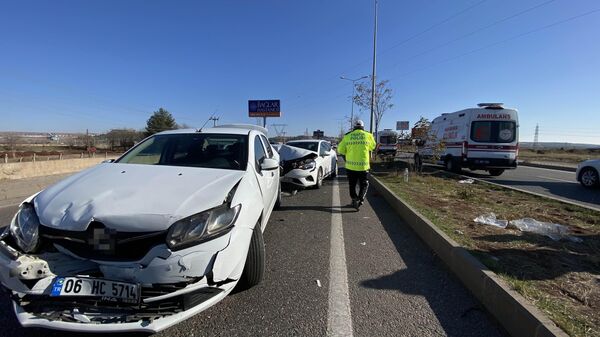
{"x":549,"y":166}
{"x":519,"y":317}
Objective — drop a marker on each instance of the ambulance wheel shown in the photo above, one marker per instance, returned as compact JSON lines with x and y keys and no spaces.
{"x":496,"y":172}
{"x":452,"y":165}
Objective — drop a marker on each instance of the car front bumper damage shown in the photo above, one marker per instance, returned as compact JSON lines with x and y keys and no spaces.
{"x":300,"y":177}
{"x":175,"y":285}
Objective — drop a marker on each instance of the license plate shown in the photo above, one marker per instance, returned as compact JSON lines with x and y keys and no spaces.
{"x":90,"y":287}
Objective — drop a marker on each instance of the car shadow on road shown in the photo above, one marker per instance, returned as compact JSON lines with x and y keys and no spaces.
{"x":319,"y":208}
{"x":458,"y":312}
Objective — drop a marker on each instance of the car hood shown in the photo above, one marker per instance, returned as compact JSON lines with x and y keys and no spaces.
{"x":288,"y":153}
{"x":132,"y":197}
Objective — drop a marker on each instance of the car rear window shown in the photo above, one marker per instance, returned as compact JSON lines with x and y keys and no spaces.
{"x":493,"y":131}
{"x":220,"y":151}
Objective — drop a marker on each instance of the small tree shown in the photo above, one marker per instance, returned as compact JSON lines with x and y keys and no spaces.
{"x":383,"y":98}
{"x":161,"y":120}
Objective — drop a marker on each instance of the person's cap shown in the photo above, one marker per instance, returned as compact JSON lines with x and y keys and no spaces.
{"x":359,"y":123}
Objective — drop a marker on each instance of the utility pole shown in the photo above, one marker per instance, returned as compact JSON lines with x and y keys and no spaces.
{"x":373,"y":73}
{"x":353,"y":86}
{"x":536,"y":136}
{"x":214,"y":119}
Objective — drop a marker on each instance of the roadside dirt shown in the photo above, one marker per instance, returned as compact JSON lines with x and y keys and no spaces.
{"x":561,"y":277}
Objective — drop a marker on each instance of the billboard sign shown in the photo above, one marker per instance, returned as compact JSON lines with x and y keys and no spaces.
{"x":318,"y":134}
{"x":264,"y":108}
{"x":402,"y":125}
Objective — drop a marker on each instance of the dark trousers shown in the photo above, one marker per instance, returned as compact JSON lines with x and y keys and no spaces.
{"x":360,"y":178}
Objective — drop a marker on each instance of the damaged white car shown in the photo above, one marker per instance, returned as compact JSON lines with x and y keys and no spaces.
{"x":306,"y":163}
{"x":141,"y":243}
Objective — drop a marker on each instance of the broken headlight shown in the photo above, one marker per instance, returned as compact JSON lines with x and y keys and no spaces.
{"x":202,"y":226}
{"x":24,"y":228}
{"x":308,"y":164}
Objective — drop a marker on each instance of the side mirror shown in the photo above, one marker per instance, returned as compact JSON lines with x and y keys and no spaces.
{"x":326,"y":153}
{"x":108,"y":161}
{"x":269,"y":164}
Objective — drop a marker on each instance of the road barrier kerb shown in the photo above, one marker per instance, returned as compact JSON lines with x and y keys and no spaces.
{"x":549,"y":166}
{"x":519,"y":317}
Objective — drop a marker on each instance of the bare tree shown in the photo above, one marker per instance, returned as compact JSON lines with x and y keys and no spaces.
{"x":383,"y":99}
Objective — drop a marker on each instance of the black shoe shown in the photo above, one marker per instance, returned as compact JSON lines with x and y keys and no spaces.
{"x":356,"y":204}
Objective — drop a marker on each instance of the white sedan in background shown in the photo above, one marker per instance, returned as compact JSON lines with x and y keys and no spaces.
{"x":588,"y":173}
{"x":307,"y":162}
{"x":148,"y":240}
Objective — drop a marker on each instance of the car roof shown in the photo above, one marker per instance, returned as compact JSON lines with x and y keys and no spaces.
{"x":306,"y":140}
{"x":218,"y":130}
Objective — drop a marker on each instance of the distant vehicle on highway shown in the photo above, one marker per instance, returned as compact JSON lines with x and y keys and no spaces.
{"x":482,"y":138}
{"x":588,"y":173}
{"x":144,"y":242}
{"x":307,"y":162}
{"x":387,"y":142}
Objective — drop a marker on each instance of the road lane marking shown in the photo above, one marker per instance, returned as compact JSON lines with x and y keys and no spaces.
{"x":339,"y":317}
{"x":557,"y":179}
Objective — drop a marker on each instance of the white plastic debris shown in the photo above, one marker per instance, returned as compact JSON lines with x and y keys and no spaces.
{"x":363,"y":243}
{"x":490,"y":219}
{"x":405,"y":175}
{"x":466,"y":181}
{"x":318,"y":283}
{"x":551,"y":230}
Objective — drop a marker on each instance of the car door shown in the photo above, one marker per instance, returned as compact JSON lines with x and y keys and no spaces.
{"x":325,"y":161}
{"x":268,"y":181}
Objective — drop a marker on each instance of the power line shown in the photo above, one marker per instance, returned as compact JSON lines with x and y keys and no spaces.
{"x":514,"y":37}
{"x":412,"y":37}
{"x":473,"y":32}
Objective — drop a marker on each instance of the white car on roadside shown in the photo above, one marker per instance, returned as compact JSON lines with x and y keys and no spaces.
{"x":147,"y":240}
{"x":588,"y":173}
{"x":306,"y":163}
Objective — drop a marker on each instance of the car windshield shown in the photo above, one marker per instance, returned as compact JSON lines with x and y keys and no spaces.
{"x":311,"y":146}
{"x":220,"y":151}
{"x":493,"y":131}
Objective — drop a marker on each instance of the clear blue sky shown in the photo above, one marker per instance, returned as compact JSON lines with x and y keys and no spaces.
{"x":72,"y":65}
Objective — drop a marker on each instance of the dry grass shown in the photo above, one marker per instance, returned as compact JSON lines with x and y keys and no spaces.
{"x":559,"y":156}
{"x":561,"y":277}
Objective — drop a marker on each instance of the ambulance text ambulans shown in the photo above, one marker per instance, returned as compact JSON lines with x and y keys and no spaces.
{"x":482,"y":138}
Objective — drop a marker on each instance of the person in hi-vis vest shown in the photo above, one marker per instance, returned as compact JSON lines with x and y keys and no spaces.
{"x":356,"y":147}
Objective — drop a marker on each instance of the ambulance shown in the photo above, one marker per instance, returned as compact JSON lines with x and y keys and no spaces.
{"x":387,"y":142}
{"x":482,"y":138}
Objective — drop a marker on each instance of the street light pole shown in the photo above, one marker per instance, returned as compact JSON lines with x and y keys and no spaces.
{"x":373,"y":74}
{"x":353,"y":86}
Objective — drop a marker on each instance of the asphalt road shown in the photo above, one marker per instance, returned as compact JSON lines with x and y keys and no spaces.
{"x":559,"y":184}
{"x":394,"y":285}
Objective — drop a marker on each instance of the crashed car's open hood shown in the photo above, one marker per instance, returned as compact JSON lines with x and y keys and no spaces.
{"x":288,"y":152}
{"x":132,"y":197}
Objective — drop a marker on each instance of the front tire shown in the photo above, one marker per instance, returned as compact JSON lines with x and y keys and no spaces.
{"x":254,"y":269}
{"x":279,"y":200}
{"x":589,"y":177}
{"x":452,"y":165}
{"x":319,"y":183}
{"x":334,"y":172}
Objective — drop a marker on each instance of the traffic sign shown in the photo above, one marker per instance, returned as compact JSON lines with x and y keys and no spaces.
{"x":402,"y":125}
{"x":264,"y":108}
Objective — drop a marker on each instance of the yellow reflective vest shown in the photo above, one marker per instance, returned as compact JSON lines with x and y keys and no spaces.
{"x":356,"y":146}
